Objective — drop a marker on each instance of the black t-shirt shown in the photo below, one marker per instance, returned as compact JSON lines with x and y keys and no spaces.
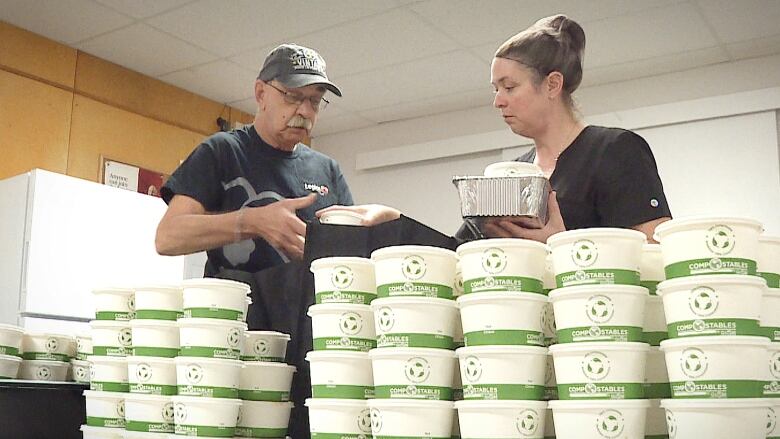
{"x":238,"y":169}
{"x":607,"y":177}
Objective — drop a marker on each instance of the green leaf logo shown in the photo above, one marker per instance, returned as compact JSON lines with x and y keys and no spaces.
{"x":703,"y":301}
{"x":417,"y":369}
{"x":596,"y":366}
{"x":350,"y":323}
{"x":385,"y":319}
{"x":168,"y":412}
{"x":527,"y":422}
{"x":234,"y":337}
{"x":694,"y":362}
{"x":610,"y":424}
{"x":342,"y":277}
{"x":413,"y":267}
{"x":494,"y":260}
{"x":261,"y":347}
{"x":194,"y":373}
{"x":125,"y":337}
{"x":584,"y":253}
{"x":600,"y":309}
{"x":720,"y":240}
{"x":472,"y":369}
{"x":143,"y":372}
{"x":364,"y":421}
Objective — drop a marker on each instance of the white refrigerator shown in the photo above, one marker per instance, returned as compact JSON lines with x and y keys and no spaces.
{"x":60,"y":237}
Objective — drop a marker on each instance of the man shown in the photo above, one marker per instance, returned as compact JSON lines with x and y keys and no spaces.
{"x":243,"y":195}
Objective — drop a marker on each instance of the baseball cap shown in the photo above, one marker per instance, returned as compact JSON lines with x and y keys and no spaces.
{"x":296,"y":66}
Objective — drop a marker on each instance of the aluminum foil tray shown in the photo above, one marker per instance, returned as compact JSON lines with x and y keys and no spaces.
{"x":523,"y":199}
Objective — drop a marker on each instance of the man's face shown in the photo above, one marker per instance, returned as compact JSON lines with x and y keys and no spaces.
{"x":288,"y":115}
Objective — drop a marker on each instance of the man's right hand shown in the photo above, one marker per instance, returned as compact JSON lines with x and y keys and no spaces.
{"x":278,"y":225}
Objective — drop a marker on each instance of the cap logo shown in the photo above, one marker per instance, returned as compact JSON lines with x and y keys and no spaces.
{"x":307,"y":59}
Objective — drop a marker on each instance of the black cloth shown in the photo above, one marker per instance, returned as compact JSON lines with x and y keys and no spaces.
{"x":236,"y":169}
{"x":607,"y":177}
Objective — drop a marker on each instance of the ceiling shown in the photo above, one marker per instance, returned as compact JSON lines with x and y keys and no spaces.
{"x":393,"y":59}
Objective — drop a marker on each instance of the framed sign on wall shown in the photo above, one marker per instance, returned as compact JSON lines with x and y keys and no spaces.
{"x":130,"y":177}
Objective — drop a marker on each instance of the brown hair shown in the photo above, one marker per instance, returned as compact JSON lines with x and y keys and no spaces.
{"x":552,"y":44}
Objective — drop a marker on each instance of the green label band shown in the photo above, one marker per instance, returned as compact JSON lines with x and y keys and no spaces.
{"x":214,"y":313}
{"x":655,"y":338}
{"x":51,"y":356}
{"x":83,"y":355}
{"x":8,"y":350}
{"x":356,"y":297}
{"x":143,"y":351}
{"x":264,"y":395}
{"x":158,"y":314}
{"x":361,"y":435}
{"x":200,"y":430}
{"x":503,"y":391}
{"x":601,"y":391}
{"x":344,"y":344}
{"x":107,"y":386}
{"x":504,"y":337}
{"x":771,"y":389}
{"x":413,"y":392}
{"x":503,"y":283}
{"x":717,"y":389}
{"x":149,"y":427}
{"x":550,"y":393}
{"x":411,"y":340}
{"x":772,"y":332}
{"x":690,"y":328}
{"x":600,"y":276}
{"x":154,"y":389}
{"x":651,"y":285}
{"x":94,"y":421}
{"x":114,"y":315}
{"x":261,"y":432}
{"x":110,"y":351}
{"x":207,"y":391}
{"x":257,"y":358}
{"x":600,"y":333}
{"x":711,"y":266}
{"x":414,"y":289}
{"x":208,"y":352}
{"x":772,"y":279}
{"x":342,"y":391}
{"x":657,"y":391}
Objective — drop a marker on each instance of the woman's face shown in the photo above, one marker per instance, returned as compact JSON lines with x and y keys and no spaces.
{"x":522,"y":103}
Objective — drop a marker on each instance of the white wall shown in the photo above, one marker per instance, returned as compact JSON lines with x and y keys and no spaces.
{"x":682,"y":114}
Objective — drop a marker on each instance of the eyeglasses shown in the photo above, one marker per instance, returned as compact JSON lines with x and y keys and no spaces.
{"x":294,"y":98}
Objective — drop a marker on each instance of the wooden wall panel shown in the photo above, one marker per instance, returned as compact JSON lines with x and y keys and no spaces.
{"x":34,"y":125}
{"x":36,"y":56}
{"x":100,"y":129}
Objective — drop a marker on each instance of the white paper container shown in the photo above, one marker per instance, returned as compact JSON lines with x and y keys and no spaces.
{"x":342,"y":417}
{"x":501,"y":419}
{"x":214,"y":299}
{"x":159,"y":302}
{"x":654,"y":327}
{"x":772,"y":384}
{"x":502,"y":318}
{"x":651,"y":267}
{"x":152,"y":375}
{"x":210,"y":417}
{"x":599,"y":313}
{"x":772,"y":415}
{"x":342,"y":218}
{"x":264,"y":346}
{"x":83,"y":346}
{"x":502,"y":264}
{"x":266,"y":381}
{"x":550,"y":382}
{"x":342,"y":326}
{"x":768,"y":263}
{"x":412,"y":373}
{"x":717,"y":419}
{"x":212,"y":338}
{"x":101,"y":432}
{"x":709,"y":245}
{"x":419,"y":322}
{"x":108,"y":374}
{"x":113,"y":303}
{"x":656,"y":375}
{"x":341,"y":374}
{"x":9,"y":366}
{"x":105,"y":409}
{"x":344,"y":280}
{"x":713,"y":305}
{"x":457,"y":286}
{"x":716,"y":367}
{"x":513,"y":169}
{"x":208,"y":377}
{"x":770,"y":313}
{"x":43,"y":370}
{"x":111,"y":338}
{"x":11,"y":340}
{"x":405,"y":418}
{"x":81,"y":371}
{"x":597,"y":256}
{"x":149,"y":413}
{"x":155,"y":338}
{"x":492,"y":372}
{"x":48,"y":346}
{"x":263,"y":419}
{"x":410,"y":270}
{"x":600,"y":419}
{"x":144,"y":435}
{"x":612,"y":370}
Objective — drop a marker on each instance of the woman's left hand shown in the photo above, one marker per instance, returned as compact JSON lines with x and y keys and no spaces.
{"x":508,"y":229}
{"x":372,"y":214}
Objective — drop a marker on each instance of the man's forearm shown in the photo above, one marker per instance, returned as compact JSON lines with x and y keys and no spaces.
{"x":191,"y":233}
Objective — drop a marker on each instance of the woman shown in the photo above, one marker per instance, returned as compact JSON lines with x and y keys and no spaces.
{"x":601,"y":177}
